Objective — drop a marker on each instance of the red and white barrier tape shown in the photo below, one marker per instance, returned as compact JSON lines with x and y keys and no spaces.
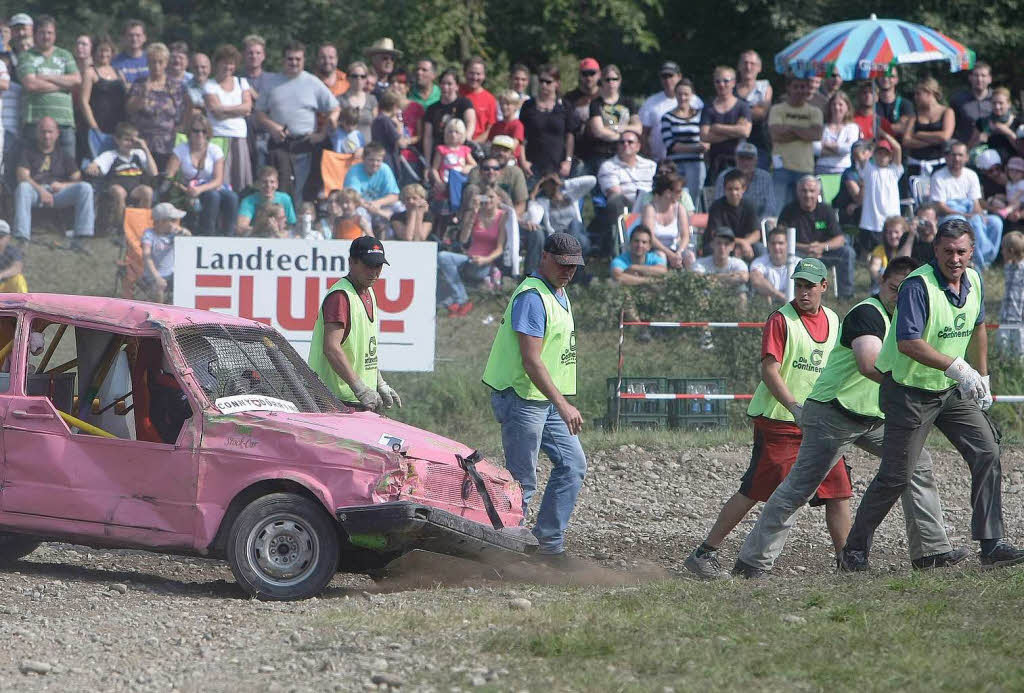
{"x":653,"y":323}
{"x":1005,"y":399}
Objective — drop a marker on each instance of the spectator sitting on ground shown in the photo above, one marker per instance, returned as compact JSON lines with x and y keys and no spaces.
{"x":668,"y":221}
{"x":12,"y":264}
{"x":850,"y":197}
{"x":48,"y":177}
{"x":726,"y":269}
{"x":377,"y":187}
{"x":622,"y":178}
{"x":416,"y":222}
{"x":271,"y":222}
{"x":769,"y":273}
{"x":558,"y":201}
{"x":818,"y":234}
{"x":347,"y":138}
{"x":509,"y":125}
{"x":483,"y":237}
{"x":158,"y":248}
{"x":266,"y":192}
{"x":917,"y":243}
{"x":732,"y":211}
{"x":881,"y":191}
{"x":639,"y":264}
{"x":484,"y":104}
{"x":957,"y":191}
{"x":760,"y":191}
{"x":894,"y":230}
{"x":349,"y":220}
{"x":124,"y":171}
{"x":724,"y":123}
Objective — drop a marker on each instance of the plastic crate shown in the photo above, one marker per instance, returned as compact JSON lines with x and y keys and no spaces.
{"x":698,"y":413}
{"x":638,"y":413}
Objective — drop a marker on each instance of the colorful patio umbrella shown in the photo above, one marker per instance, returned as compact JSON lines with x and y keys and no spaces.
{"x":866,"y":48}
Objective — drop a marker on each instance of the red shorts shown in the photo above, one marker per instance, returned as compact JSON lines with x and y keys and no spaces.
{"x":776,"y":445}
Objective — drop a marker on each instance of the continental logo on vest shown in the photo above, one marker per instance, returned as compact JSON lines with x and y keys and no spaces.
{"x":813,"y":365}
{"x":957,"y":331}
{"x":370,"y":360}
{"x":568,"y":356}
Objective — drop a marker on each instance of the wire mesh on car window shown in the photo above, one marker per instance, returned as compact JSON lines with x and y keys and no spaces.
{"x":230,"y":360}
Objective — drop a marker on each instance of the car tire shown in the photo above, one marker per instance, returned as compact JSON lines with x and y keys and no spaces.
{"x":283,"y":547}
{"x":15,"y":546}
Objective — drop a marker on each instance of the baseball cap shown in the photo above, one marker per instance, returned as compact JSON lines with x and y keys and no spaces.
{"x":861,"y":144}
{"x":5,"y":228}
{"x":564,"y":248}
{"x":883,"y":144}
{"x":165,"y":210}
{"x":725,"y":232}
{"x":987,"y":159}
{"x":670,"y":67}
{"x":369,"y":250}
{"x":746,"y":149}
{"x":19,"y":19}
{"x":505,"y":141}
{"x":1015,"y":163}
{"x":590,"y":64}
{"x":811,"y":269}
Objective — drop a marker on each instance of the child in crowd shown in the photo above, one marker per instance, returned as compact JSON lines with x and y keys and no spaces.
{"x":509,"y":103}
{"x":350,"y":223}
{"x":158,"y":248}
{"x":1011,"y":311}
{"x":348,"y":139}
{"x":881,"y":191}
{"x":893,"y":231}
{"x":1014,"y":210}
{"x":124,"y":170}
{"x":271,"y":222}
{"x":415,"y":223}
{"x":453,"y":155}
{"x":308,"y":227}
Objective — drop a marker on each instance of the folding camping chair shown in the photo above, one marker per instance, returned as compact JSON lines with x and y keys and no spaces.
{"x":333,"y":169}
{"x":131,"y":272}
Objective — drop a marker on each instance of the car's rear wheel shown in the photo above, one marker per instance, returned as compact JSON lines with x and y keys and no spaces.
{"x":283,"y":547}
{"x":15,"y":546}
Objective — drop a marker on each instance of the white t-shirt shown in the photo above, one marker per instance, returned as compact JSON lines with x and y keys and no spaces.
{"x":229,"y":127}
{"x":777,"y":276}
{"x":650,"y":117}
{"x":881,"y":194}
{"x":630,"y":181}
{"x":1015,"y":192}
{"x":706,"y":265}
{"x":946,"y":187}
{"x":108,"y":158}
{"x":189,"y":172}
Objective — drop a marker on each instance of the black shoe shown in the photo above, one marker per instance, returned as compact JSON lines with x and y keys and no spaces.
{"x":748,"y":571}
{"x":80,"y":245}
{"x":941,"y":560}
{"x":1002,"y":555}
{"x":852,"y":561}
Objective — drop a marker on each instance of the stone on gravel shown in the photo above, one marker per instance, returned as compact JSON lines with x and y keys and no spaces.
{"x":120,"y":588}
{"x":30,"y":666}
{"x":793,"y":618}
{"x":520,"y":604}
{"x":389,"y":680}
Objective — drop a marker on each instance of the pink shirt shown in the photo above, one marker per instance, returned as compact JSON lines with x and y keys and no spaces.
{"x":484,"y":240}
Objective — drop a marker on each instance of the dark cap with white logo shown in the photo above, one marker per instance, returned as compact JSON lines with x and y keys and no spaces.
{"x":368,"y":250}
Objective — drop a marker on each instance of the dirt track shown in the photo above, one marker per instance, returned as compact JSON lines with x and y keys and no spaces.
{"x":88,"y":619}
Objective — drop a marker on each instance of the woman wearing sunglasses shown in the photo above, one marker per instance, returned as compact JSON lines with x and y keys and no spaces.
{"x":549,"y":125}
{"x":611,"y":114}
{"x":201,"y":164}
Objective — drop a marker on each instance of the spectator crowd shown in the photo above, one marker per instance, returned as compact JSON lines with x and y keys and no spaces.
{"x":394,"y":147}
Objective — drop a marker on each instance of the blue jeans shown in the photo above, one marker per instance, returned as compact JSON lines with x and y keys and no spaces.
{"x":452,"y":289}
{"x":217,"y":205}
{"x":77,"y":195}
{"x":301,"y":165}
{"x":527,"y":427}
{"x":785,"y":180}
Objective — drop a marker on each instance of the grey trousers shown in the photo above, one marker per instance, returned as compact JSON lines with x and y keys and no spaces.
{"x":910,"y":414}
{"x":827,"y":434}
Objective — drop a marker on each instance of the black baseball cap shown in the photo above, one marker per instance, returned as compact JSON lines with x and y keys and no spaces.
{"x":368,"y":250}
{"x":565,"y":249}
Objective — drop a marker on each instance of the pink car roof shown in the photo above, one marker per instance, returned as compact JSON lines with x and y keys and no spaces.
{"x":117,"y":312}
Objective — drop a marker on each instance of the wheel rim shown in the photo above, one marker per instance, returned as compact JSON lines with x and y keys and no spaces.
{"x":283,"y":548}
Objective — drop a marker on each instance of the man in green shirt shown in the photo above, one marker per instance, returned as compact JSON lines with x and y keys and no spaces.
{"x":532,"y":371}
{"x":343,"y":350}
{"x":48,"y":74}
{"x":424,"y":91}
{"x":939,"y":319}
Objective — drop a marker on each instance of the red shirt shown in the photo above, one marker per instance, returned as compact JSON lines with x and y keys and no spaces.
{"x":335,"y":308}
{"x":866,"y":123}
{"x":486,"y":108}
{"x":773,"y":339}
{"x":512,"y":128}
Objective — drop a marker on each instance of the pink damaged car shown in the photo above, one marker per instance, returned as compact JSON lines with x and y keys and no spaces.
{"x":130,"y":424}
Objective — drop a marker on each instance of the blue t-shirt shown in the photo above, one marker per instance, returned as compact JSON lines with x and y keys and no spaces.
{"x":372,"y":187}
{"x":625,"y":260}
{"x":132,"y":68}
{"x":528,"y":314}
{"x":251,"y":203}
{"x":912,"y":303}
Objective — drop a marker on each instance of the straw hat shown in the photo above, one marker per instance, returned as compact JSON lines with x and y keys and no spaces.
{"x":383,"y":45}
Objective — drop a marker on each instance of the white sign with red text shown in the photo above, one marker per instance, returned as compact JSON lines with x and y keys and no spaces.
{"x":281,"y":282}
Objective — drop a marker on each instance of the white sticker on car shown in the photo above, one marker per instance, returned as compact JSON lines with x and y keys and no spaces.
{"x":391,"y":442}
{"x":240,"y":403}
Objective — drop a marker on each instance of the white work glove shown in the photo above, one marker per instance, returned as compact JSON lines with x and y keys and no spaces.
{"x":797,"y":411}
{"x":387,"y":393}
{"x":968,"y":380}
{"x":986,"y":401}
{"x":368,"y":398}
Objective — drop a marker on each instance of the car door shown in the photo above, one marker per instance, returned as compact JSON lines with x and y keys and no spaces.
{"x":59,"y":478}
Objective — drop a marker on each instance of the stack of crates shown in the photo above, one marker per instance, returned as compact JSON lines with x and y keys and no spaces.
{"x":698,"y":413}
{"x":639,"y":413}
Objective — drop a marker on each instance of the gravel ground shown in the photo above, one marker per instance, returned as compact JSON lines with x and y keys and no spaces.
{"x":76,"y":618}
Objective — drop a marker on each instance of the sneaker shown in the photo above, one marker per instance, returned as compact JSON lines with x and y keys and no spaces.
{"x":1002,"y":555}
{"x":941,"y":560}
{"x":465,"y":308}
{"x":852,"y":561}
{"x":706,"y":567}
{"x":453,"y":309}
{"x":748,"y":571}
{"x":80,"y":245}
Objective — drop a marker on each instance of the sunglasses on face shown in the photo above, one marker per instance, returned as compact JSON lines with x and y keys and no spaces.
{"x":723,"y":81}
{"x":355,"y":76}
{"x":546,"y":80}
{"x":491,"y":168}
{"x":588,"y":73}
{"x":612,"y":79}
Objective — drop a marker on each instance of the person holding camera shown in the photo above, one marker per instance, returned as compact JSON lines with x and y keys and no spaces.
{"x":483,"y":237}
{"x":917,"y":243}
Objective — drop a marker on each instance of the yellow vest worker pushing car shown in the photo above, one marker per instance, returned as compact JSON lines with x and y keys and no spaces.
{"x":532,"y":370}
{"x":343,"y":351}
